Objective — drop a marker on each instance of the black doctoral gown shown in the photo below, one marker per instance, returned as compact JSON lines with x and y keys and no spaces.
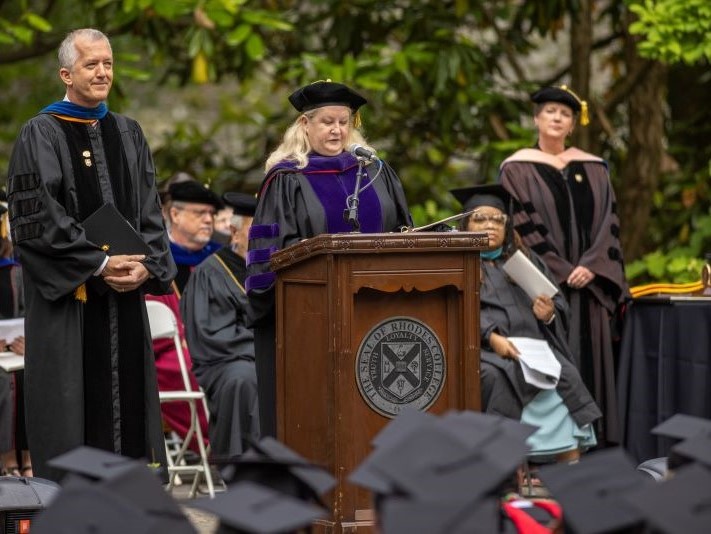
{"x":89,"y":367}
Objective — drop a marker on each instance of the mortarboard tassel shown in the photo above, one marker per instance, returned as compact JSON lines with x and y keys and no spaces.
{"x":357,"y":123}
{"x":80,"y":293}
{"x":584,"y":117}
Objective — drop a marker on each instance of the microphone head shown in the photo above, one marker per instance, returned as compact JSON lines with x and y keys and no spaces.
{"x":352,"y":148}
{"x":360,"y":151}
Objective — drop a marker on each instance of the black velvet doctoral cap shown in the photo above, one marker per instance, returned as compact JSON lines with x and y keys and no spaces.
{"x":493,"y":195}
{"x":325,"y":93}
{"x":591,"y":492}
{"x":250,"y":507}
{"x":561,"y":94}
{"x":680,"y":505}
{"x":241,"y":203}
{"x":193,"y":191}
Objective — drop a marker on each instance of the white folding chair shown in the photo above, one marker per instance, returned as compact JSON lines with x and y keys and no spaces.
{"x":164,"y":325}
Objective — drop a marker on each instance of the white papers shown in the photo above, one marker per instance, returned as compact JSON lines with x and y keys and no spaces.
{"x":528,"y":277}
{"x":539,"y":365}
{"x":11,"y":329}
{"x":9,"y":361}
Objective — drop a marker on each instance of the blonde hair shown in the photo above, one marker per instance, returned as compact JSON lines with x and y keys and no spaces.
{"x":295,"y":144}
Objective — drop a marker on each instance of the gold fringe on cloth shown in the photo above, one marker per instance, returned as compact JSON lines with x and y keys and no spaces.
{"x":666,"y":289}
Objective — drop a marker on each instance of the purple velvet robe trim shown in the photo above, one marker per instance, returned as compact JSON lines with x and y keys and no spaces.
{"x":332,"y":179}
{"x":264,"y":231}
{"x":259,"y":281}
{"x":260,"y":255}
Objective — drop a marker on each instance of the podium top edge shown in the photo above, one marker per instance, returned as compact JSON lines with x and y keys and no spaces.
{"x":357,"y":243}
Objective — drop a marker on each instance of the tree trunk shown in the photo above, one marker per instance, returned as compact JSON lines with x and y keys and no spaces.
{"x":581,"y":41}
{"x":641,"y":169}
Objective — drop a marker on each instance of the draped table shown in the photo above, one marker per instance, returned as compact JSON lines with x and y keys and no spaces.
{"x":664,"y":368}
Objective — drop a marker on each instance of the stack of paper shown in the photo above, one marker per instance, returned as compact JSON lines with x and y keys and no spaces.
{"x":9,"y":361}
{"x":539,"y":365}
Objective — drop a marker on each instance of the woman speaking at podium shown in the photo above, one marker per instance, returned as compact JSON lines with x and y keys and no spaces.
{"x":313,"y":186}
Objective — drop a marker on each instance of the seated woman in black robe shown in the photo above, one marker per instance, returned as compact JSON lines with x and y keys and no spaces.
{"x":564,"y":413}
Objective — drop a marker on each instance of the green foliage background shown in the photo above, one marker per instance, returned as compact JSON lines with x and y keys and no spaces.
{"x":447,"y":83}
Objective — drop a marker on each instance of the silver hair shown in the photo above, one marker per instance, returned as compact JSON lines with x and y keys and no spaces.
{"x":68,"y":53}
{"x":237,"y":221}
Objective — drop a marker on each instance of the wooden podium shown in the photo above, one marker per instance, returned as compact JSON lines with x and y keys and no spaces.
{"x":366,"y":325}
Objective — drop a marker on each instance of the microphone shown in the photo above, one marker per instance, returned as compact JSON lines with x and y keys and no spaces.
{"x":361,"y":152}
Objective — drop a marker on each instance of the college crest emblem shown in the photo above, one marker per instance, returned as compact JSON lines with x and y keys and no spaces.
{"x":400,"y":363}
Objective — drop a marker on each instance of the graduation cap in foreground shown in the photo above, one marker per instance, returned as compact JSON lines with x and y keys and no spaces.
{"x":591,"y":491}
{"x":680,"y":505}
{"x":250,"y":507}
{"x":83,"y":507}
{"x":696,"y":449}
{"x":452,"y":457}
{"x":272,"y":464}
{"x":130,"y":480}
{"x":682,"y":426}
{"x":399,"y":515}
{"x":92,"y":464}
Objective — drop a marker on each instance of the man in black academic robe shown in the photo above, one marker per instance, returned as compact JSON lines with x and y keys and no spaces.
{"x":89,"y":369}
{"x":214,"y":310}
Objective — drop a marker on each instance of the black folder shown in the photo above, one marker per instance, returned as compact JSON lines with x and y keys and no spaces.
{"x":109,"y":230}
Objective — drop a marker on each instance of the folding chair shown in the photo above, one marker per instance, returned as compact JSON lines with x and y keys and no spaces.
{"x":164,"y":325}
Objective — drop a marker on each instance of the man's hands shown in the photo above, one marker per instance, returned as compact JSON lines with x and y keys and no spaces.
{"x":124,"y":272}
{"x":502,"y":346}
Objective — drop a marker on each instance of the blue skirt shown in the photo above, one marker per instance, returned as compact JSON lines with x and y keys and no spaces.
{"x":557,"y":431}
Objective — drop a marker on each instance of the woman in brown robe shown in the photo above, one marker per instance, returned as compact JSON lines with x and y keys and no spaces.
{"x":566,"y":214}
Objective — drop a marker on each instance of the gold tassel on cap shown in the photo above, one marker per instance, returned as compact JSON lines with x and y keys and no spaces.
{"x":584,"y":115}
{"x":4,"y":224}
{"x":80,"y":293}
{"x":357,"y":123}
{"x":584,"y":118}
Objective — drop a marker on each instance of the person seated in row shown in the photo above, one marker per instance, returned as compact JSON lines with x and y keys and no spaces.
{"x":14,"y":450}
{"x":190,"y":208}
{"x":563,"y":414}
{"x":214,"y":309}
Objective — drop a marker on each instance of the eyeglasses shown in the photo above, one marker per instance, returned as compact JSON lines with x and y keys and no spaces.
{"x":480,"y":218}
{"x":199,"y":213}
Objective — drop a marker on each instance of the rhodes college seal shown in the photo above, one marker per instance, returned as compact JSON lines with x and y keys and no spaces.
{"x":400,"y":363}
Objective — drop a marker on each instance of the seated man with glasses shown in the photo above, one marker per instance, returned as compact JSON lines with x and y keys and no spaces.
{"x":190,"y":209}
